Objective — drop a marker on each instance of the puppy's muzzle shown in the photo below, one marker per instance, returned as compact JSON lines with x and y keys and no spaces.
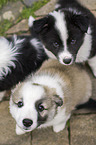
{"x":27,"y":122}
{"x":67,"y":61}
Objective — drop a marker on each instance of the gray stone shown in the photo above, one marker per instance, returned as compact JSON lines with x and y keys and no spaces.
{"x":83,"y":130}
{"x":7,"y":128}
{"x":90,"y":4}
{"x":48,"y":137}
{"x":8,"y":15}
{"x":22,"y":26}
{"x":50,"y":6}
{"x":29,"y":3}
{"x":94,"y":12}
{"x":11,"y":11}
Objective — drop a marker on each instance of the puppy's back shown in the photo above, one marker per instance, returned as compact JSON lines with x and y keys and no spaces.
{"x":78,"y":84}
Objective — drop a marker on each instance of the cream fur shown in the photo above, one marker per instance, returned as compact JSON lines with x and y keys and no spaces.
{"x":72,"y":85}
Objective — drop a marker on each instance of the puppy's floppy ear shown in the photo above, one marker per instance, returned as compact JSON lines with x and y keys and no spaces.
{"x":58,"y":100}
{"x":40,"y":24}
{"x":81,"y":22}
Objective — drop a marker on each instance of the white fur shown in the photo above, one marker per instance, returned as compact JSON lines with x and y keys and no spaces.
{"x":8,"y":55}
{"x":60,"y":25}
{"x":65,"y":55}
{"x":75,"y":11}
{"x":92,"y":64}
{"x":50,"y":81}
{"x":30,"y":96}
{"x":85,"y":49}
{"x":49,"y":53}
{"x":30,"y":21}
{"x":35,"y":43}
{"x":57,"y":6}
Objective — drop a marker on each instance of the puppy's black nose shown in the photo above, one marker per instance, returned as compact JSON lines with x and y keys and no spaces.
{"x":27,"y":122}
{"x":67,"y":60}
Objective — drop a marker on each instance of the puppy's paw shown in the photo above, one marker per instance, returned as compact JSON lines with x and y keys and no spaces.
{"x":30,"y":21}
{"x":59,"y":127}
{"x":19,"y":131}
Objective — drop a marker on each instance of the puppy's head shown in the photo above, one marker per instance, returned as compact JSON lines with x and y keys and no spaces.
{"x":32,"y":105}
{"x":62,"y":33}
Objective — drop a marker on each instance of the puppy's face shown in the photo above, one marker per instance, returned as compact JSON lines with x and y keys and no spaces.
{"x":32,"y":105}
{"x":63,"y":34}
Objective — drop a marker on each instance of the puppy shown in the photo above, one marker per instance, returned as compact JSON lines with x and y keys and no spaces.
{"x":19,"y":56}
{"x":48,"y":97}
{"x":69,"y":33}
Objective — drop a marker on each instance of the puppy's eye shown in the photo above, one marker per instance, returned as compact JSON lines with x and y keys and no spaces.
{"x":20,"y":104}
{"x":41,"y":107}
{"x":73,"y":41}
{"x":56,"y":45}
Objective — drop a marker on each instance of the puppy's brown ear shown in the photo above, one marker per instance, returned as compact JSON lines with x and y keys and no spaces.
{"x":58,"y":100}
{"x":40,"y":25}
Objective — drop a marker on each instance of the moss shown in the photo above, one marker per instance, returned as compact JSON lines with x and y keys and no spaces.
{"x":5,"y":25}
{"x":3,"y":2}
{"x":30,"y":11}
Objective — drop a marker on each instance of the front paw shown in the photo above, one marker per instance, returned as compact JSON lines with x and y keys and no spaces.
{"x":58,"y":128}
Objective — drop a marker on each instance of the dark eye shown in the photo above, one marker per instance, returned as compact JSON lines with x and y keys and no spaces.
{"x":20,"y":104}
{"x":56,"y":45}
{"x":40,"y":107}
{"x":73,"y":41}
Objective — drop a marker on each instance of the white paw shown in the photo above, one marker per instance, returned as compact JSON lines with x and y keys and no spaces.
{"x":30,"y":21}
{"x":19,"y":131}
{"x":58,"y":128}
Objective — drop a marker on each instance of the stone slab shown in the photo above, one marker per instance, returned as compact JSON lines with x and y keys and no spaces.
{"x":29,"y":3}
{"x":48,"y":137}
{"x":22,"y":26}
{"x":11,"y":11}
{"x":90,"y":4}
{"x":83,"y":130}
{"x":50,"y":6}
{"x":94,"y":12}
{"x":7,"y":129}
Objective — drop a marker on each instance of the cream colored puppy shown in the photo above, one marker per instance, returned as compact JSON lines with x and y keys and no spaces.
{"x":48,"y":97}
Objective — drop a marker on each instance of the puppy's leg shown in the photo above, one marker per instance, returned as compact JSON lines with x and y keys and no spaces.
{"x":92,"y":64}
{"x":61,"y":125}
{"x":2,"y":95}
{"x":19,"y":131}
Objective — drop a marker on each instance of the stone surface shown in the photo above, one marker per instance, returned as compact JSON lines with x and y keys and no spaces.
{"x":48,"y":137}
{"x":91,"y":4}
{"x":11,"y":11}
{"x":22,"y":26}
{"x":29,"y":3}
{"x":94,"y":12}
{"x":7,"y":129}
{"x":83,"y":130}
{"x":50,"y":6}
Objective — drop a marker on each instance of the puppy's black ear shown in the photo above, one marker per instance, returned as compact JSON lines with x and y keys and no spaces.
{"x":81,"y":22}
{"x":40,"y":25}
{"x":58,"y":100}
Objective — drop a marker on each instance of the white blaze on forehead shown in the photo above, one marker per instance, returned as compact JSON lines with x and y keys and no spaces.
{"x":60,"y":25}
{"x":32,"y":93}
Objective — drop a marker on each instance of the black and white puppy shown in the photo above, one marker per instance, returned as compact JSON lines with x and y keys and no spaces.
{"x":48,"y":97}
{"x":19,"y":56}
{"x":69,"y":33}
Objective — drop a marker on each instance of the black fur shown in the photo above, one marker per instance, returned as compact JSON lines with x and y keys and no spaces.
{"x":79,"y":23}
{"x":28,"y":61}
